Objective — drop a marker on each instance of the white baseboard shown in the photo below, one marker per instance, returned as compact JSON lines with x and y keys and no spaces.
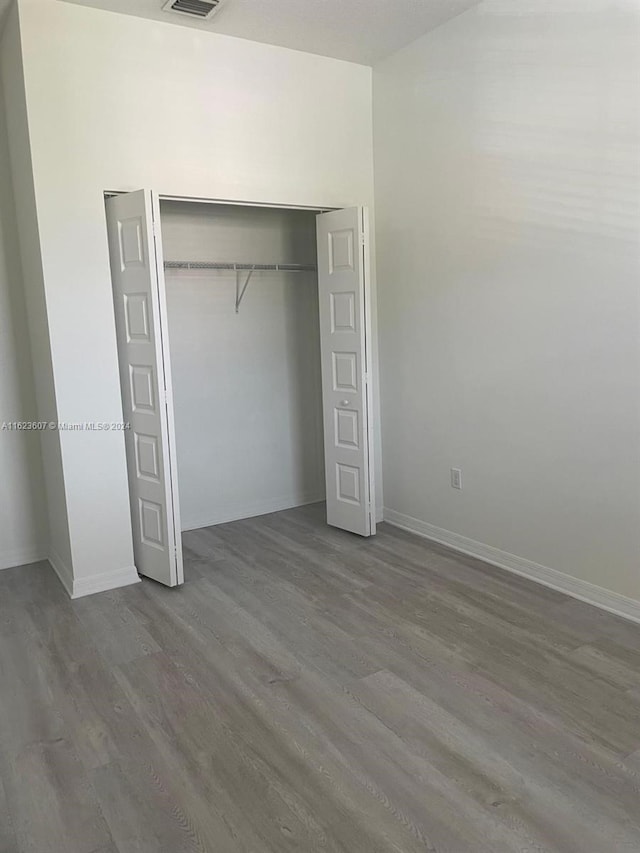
{"x":78,"y":588}
{"x":22,"y":556}
{"x":621,"y":605}
{"x":105,"y":581}
{"x":65,"y":575}
{"x":251,"y":510}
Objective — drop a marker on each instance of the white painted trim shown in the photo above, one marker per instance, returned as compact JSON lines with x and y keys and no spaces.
{"x":22,"y":556}
{"x":65,"y":575}
{"x":369,"y":351}
{"x":105,"y":581}
{"x":621,"y":605}
{"x":97,"y":583}
{"x":311,"y":208}
{"x":252,"y":510}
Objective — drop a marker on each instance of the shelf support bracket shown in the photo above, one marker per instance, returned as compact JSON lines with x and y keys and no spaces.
{"x":240,"y":291}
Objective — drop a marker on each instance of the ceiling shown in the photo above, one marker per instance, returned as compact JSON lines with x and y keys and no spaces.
{"x":361,"y":31}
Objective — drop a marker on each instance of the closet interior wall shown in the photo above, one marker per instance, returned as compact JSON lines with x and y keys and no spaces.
{"x":247,"y":385}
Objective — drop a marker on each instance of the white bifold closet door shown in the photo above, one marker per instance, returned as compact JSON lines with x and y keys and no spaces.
{"x":137,"y":270}
{"x":346,"y":392}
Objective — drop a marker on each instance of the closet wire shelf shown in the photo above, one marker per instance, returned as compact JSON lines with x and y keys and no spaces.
{"x":238,"y":268}
{"x":215,"y":265}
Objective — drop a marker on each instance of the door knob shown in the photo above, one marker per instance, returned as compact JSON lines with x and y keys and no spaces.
{"x":344,"y":402}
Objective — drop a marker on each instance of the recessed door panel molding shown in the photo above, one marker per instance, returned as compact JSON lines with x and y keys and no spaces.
{"x":347,"y":430}
{"x":147,"y":457}
{"x":137,"y":271}
{"x":344,"y":328}
{"x":136,"y":314}
{"x":143,"y":388}
{"x":131,"y":239}
{"x":343,"y":312}
{"x":341,"y":250}
{"x":345,"y":371}
{"x":348,"y":483}
{"x":151,"y":525}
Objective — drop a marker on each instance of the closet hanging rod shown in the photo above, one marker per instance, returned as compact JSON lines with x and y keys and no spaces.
{"x":241,"y":289}
{"x":217,"y":265}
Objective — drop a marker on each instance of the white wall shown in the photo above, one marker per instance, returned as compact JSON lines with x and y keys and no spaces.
{"x":117,"y":102}
{"x":507,"y":195}
{"x":247,"y":386}
{"x":23,"y":530}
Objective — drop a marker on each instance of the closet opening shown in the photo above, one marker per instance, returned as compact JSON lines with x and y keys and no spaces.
{"x":244,"y":361}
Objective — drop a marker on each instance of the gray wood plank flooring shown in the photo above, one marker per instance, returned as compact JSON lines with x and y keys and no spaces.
{"x":307,"y":690}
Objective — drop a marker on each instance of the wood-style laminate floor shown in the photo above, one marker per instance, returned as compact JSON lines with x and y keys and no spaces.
{"x":307,"y":690}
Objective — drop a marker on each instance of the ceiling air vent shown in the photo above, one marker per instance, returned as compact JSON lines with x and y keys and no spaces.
{"x":201,"y":9}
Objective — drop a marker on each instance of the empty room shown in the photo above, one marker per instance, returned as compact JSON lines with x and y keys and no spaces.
{"x":319,"y":426}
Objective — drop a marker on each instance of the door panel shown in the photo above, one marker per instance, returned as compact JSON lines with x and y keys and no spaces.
{"x":343,"y":326}
{"x":140,"y":310}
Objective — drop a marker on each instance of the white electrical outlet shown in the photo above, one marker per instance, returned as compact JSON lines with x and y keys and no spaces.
{"x":456,"y":478}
